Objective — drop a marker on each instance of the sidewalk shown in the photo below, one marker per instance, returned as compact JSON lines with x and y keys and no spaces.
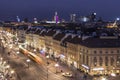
{"x":62,"y":66}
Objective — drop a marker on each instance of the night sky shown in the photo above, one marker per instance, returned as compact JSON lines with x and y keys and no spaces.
{"x":44,"y":9}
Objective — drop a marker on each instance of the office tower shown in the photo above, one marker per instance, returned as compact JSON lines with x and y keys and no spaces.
{"x":35,"y":20}
{"x":73,"y":17}
{"x":18,"y":19}
{"x":56,"y":18}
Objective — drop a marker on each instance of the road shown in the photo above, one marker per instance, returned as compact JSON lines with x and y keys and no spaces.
{"x":34,"y":72}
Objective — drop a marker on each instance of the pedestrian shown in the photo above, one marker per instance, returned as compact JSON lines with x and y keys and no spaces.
{"x":85,"y":76}
{"x":9,"y":53}
{"x":61,"y":70}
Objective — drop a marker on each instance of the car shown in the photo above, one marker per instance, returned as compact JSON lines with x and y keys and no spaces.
{"x":67,"y":74}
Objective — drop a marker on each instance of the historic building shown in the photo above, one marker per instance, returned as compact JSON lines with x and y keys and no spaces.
{"x":100,"y":55}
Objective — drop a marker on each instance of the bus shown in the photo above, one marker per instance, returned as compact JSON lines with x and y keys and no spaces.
{"x":35,"y":58}
{"x":31,"y":55}
{"x":22,"y":50}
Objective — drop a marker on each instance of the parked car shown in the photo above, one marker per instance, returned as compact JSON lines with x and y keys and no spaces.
{"x":67,"y":74}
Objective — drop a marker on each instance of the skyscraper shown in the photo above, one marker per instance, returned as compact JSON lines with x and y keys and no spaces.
{"x":56,"y":18}
{"x":73,"y":18}
{"x":18,"y":19}
{"x":35,"y":20}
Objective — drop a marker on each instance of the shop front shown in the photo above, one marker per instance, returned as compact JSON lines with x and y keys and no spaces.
{"x":85,"y":68}
{"x":97,"y":71}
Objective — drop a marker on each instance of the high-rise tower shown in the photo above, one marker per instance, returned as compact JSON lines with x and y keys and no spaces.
{"x":18,"y":19}
{"x":73,"y":17}
{"x":56,"y":18}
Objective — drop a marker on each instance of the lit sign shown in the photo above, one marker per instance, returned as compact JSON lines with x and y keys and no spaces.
{"x":85,"y":66}
{"x":96,"y":69}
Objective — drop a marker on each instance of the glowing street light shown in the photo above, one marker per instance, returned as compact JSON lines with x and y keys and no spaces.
{"x":103,"y":78}
{"x":8,"y":66}
{"x":47,"y":65}
{"x":56,"y":65}
{"x":12,"y":71}
{"x":34,"y":50}
{"x":28,"y":61}
{"x":18,"y":52}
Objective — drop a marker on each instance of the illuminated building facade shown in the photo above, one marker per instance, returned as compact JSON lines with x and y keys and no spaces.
{"x":100,"y":55}
{"x":56,"y":18}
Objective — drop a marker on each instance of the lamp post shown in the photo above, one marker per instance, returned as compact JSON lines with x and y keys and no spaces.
{"x":34,"y":50}
{"x":28,"y":61}
{"x":18,"y":54}
{"x":12,"y":73}
{"x":47,"y":57}
{"x":56,"y":65}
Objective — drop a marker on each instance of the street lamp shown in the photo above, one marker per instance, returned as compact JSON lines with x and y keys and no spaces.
{"x":103,"y":78}
{"x":47,"y":57}
{"x":56,"y":65}
{"x":18,"y":54}
{"x":34,"y":50}
{"x":1,"y":59}
{"x":11,"y":73}
{"x":8,"y":66}
{"x":28,"y":61}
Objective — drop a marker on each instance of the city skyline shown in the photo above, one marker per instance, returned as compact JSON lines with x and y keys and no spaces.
{"x":44,"y":9}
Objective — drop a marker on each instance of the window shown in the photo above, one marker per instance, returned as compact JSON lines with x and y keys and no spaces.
{"x":118,"y":51}
{"x":95,"y":61}
{"x":83,"y":50}
{"x":95,"y":52}
{"x":111,"y":61}
{"x":83,"y":58}
{"x":87,"y":51}
{"x":118,"y":60}
{"x":100,"y":51}
{"x":106,"y":61}
{"x":111,"y":51}
{"x":106,"y":52}
{"x":87,"y":60}
{"x":100,"y":61}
